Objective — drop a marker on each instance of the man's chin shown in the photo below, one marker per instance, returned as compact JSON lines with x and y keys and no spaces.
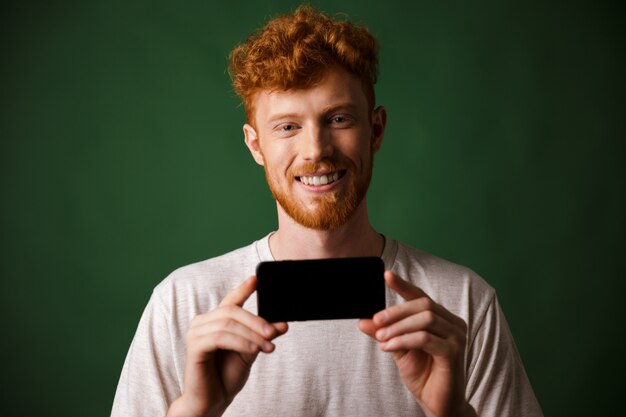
{"x":319,"y":224}
{"x":326,"y":216}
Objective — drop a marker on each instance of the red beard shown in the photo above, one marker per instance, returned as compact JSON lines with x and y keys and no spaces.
{"x":330,"y":210}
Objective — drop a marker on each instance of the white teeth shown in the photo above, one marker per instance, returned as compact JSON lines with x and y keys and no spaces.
{"x":321,"y":180}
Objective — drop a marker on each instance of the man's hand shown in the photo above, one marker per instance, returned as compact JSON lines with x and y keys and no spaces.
{"x":428,"y":344}
{"x":222,"y":345}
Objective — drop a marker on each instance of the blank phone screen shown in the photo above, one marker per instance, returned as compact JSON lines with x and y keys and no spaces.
{"x":320,"y":289}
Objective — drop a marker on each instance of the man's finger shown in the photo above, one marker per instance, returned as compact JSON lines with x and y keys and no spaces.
{"x":281,"y":327}
{"x":424,"y":321}
{"x":226,"y":340}
{"x":415,"y":306}
{"x":215,"y":329}
{"x":406,"y":290}
{"x":425,"y":341}
{"x":239,"y":295}
{"x":368,"y":327}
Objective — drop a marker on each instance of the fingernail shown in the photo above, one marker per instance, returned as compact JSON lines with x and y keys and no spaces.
{"x":381,"y":334}
{"x":268,"y":347}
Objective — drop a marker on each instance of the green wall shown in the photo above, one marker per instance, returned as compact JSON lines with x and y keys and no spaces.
{"x":122,"y":158}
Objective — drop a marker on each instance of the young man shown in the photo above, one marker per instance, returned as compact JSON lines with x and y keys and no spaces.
{"x":440,"y":348}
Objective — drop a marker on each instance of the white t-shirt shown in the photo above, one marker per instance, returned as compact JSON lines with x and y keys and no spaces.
{"x":322,"y":368}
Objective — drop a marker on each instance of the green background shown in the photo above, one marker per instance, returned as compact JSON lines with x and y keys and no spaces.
{"x":122,"y":158}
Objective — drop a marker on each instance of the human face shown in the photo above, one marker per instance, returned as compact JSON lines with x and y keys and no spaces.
{"x":316,"y":146}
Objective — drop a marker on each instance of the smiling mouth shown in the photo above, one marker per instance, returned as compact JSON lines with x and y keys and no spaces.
{"x":325,"y":179}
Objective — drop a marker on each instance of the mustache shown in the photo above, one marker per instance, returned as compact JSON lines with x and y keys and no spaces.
{"x":334,"y":164}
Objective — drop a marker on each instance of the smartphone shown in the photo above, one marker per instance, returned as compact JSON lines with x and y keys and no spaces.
{"x":320,"y":289}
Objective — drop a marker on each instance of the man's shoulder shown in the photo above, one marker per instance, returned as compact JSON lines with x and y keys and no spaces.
{"x":429,"y":261}
{"x":439,"y":275}
{"x":215,"y":275}
{"x":236,"y":259}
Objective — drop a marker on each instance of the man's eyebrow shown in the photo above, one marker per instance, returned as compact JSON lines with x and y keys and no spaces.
{"x":349,"y":106}
{"x":280,"y":116}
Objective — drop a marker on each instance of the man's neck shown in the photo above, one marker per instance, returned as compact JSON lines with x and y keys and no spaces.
{"x":355,"y":238}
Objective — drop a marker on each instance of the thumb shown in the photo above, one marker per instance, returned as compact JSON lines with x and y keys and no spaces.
{"x":404,"y":288}
{"x":240,"y":294}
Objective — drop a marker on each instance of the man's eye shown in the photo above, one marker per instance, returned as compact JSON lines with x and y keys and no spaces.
{"x":341,"y":120}
{"x":287,"y":129}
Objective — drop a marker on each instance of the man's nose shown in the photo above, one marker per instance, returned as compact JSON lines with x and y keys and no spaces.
{"x":316,"y":144}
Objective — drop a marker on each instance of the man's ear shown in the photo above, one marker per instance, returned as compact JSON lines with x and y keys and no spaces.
{"x":252,"y":142}
{"x":379,"y":122}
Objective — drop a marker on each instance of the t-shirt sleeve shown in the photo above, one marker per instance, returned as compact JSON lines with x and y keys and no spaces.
{"x":497,"y":384}
{"x":149,"y":382}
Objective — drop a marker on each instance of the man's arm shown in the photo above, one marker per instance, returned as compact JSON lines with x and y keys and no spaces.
{"x":497,"y":383}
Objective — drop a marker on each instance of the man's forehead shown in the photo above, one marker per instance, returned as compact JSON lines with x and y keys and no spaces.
{"x":337,"y":89}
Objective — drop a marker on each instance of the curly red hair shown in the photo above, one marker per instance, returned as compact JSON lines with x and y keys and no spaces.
{"x":295,"y":51}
